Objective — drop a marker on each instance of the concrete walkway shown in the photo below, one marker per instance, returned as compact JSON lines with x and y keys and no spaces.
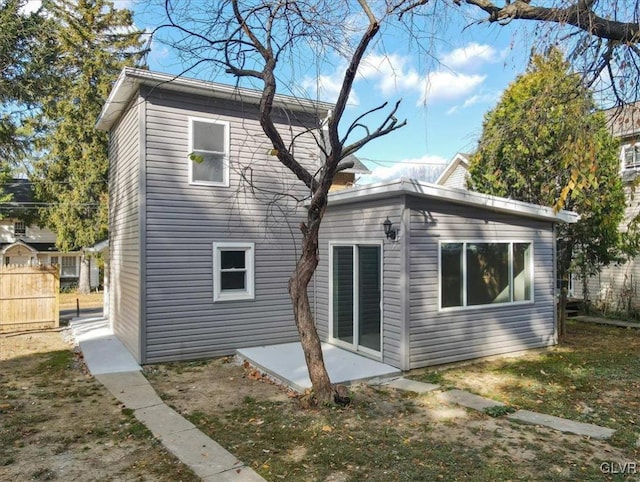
{"x":113,"y":366}
{"x":476,"y":402}
{"x":606,"y":321}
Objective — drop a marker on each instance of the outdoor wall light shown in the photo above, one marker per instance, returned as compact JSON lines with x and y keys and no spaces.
{"x":388,"y":229}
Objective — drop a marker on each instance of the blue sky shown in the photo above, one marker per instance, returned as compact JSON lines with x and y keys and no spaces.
{"x":445,"y":89}
{"x":444,"y":94}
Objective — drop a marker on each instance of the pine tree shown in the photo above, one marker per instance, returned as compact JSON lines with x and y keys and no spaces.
{"x":95,"y":41}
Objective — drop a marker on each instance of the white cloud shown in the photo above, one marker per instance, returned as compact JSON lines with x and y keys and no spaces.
{"x":443,"y":85}
{"x":472,"y":55}
{"x":393,"y":75}
{"x":484,"y":98}
{"x":390,"y":73}
{"x":426,"y":168}
{"x":327,"y":87}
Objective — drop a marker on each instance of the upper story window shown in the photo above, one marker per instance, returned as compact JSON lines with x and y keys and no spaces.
{"x":631,"y":156}
{"x":19,"y":229}
{"x":209,"y":143}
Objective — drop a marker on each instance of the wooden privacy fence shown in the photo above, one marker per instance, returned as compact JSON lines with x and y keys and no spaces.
{"x":29,"y":297}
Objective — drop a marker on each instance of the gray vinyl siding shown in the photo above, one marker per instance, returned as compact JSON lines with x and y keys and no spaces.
{"x":183,"y":221}
{"x":361,"y":223}
{"x":124,"y":229}
{"x":438,"y":337}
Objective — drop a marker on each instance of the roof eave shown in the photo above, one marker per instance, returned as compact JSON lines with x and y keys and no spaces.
{"x":454,"y":195}
{"x":130,"y":80}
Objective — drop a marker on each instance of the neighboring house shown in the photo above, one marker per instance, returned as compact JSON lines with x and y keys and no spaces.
{"x":618,"y":286}
{"x":24,"y":243}
{"x":201,"y":252}
{"x":347,"y":177}
{"x":456,"y":173}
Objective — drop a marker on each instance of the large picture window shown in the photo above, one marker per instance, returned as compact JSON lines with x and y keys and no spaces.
{"x":233,"y":271}
{"x":478,"y":273}
{"x":208,"y":152}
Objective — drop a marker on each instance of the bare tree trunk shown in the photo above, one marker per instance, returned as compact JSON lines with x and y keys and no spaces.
{"x":298,"y":284}
{"x":562,"y":315}
{"x":84,"y":279}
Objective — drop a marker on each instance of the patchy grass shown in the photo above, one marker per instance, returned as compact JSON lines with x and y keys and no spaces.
{"x":593,"y":376}
{"x":92,"y":300}
{"x":385,"y":435}
{"x":58,"y":423}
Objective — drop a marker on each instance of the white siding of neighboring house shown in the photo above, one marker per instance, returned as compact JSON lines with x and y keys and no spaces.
{"x":616,"y":284}
{"x":458,"y":178}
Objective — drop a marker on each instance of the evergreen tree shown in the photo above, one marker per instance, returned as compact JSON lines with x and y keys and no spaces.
{"x":95,"y":41}
{"x":25,"y":55}
{"x":545,"y":143}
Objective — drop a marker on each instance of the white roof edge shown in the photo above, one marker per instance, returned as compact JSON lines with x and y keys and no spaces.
{"x":99,"y":246}
{"x":459,"y":158}
{"x":131,"y":78}
{"x":450,"y":194}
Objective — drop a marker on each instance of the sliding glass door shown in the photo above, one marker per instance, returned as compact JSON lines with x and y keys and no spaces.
{"x":356,"y":296}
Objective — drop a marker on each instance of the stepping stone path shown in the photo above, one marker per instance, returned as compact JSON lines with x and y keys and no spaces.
{"x":408,"y":385}
{"x":476,"y":402}
{"x":562,"y":424}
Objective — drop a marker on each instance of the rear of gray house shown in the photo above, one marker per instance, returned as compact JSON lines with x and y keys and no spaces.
{"x":202,"y":247}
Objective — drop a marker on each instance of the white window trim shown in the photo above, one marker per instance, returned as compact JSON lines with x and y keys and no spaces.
{"x":225,"y":167}
{"x":466,"y":307}
{"x":76,"y":267}
{"x":623,"y":155}
{"x":249,"y":292}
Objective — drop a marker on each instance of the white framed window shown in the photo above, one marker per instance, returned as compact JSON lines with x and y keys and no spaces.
{"x":233,"y":271}
{"x":208,"y":152}
{"x":19,"y":228}
{"x":69,"y":267}
{"x":631,"y":156}
{"x":475,"y":273}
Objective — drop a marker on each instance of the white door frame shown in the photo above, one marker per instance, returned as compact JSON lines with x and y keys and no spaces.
{"x":355,"y":346}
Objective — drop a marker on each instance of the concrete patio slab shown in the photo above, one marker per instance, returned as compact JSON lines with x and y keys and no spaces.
{"x":562,"y":424}
{"x":286,"y":363}
{"x":468,"y":400}
{"x":412,"y":385}
{"x":163,"y":420}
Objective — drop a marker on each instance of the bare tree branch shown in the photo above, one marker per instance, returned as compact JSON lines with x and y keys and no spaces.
{"x":579,"y":15}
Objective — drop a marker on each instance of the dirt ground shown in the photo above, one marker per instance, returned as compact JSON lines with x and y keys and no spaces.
{"x":57,"y":422}
{"x":234,"y":407}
